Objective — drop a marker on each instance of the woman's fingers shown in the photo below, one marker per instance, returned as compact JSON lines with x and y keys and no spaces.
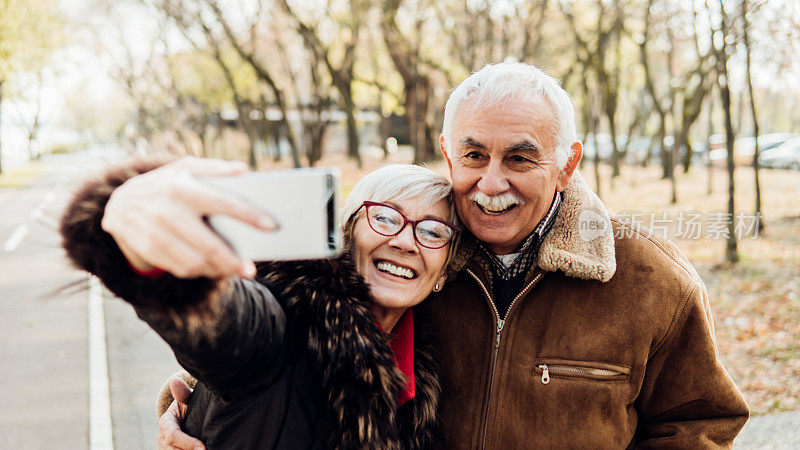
{"x":212,"y":250}
{"x":181,"y":392}
{"x":170,"y":435}
{"x":209,"y":201}
{"x":158,"y":219}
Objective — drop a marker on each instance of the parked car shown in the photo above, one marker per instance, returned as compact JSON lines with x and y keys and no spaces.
{"x":784,"y":156}
{"x":744,"y":147}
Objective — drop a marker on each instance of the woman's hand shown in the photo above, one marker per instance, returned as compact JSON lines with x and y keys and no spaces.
{"x":170,"y":436}
{"x":157,"y":220}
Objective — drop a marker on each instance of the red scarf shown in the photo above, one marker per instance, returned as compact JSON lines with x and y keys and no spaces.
{"x":402,"y":345}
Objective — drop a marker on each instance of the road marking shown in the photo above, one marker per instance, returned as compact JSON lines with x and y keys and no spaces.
{"x":100,"y":431}
{"x":50,"y":196}
{"x":16,"y":238}
{"x":37,"y":213}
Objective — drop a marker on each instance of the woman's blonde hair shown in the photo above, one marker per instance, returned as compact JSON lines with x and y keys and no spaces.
{"x":398,"y":182}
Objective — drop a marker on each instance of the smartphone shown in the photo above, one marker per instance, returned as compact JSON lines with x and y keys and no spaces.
{"x":302,"y":201}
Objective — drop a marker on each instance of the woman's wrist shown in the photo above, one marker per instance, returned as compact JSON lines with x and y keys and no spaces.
{"x":153,"y":272}
{"x":138,"y":265}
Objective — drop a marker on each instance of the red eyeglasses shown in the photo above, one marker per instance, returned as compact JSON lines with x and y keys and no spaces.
{"x":387,"y":221}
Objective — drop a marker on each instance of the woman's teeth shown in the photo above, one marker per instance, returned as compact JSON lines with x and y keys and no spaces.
{"x":385,"y":266}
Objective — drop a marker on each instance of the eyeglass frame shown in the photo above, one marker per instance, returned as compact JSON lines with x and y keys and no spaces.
{"x":366,"y":204}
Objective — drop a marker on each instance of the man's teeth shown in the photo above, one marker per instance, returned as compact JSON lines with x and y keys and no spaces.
{"x":497,"y":204}
{"x":494,"y":212}
{"x":385,"y":266}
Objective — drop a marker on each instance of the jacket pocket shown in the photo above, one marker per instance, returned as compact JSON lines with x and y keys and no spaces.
{"x":563,"y":368}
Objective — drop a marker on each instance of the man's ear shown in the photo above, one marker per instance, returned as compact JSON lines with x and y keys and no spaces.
{"x":565,"y":174}
{"x":444,"y":152}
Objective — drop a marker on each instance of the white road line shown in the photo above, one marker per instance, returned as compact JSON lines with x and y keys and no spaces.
{"x":37,"y":213}
{"x":100,"y":431}
{"x":50,"y":196}
{"x":16,"y":238}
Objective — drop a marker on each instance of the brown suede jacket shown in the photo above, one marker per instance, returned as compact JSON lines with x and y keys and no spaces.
{"x":610,"y":344}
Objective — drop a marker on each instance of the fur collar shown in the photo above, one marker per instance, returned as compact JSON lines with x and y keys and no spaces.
{"x":330,"y":302}
{"x":580,"y":244}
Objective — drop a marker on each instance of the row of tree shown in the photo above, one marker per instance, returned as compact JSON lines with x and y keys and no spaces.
{"x":30,"y":31}
{"x":646,"y":67}
{"x":635,"y":67}
{"x":291,"y":68}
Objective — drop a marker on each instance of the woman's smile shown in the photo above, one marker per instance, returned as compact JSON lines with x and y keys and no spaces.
{"x":395,"y":269}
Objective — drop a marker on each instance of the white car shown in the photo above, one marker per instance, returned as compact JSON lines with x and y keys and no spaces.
{"x":784,"y":156}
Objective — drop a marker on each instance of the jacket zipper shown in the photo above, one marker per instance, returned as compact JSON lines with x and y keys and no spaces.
{"x":500,"y":323}
{"x":603,"y":373}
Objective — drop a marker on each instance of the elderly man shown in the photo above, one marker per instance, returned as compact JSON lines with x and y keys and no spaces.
{"x":561,"y":327}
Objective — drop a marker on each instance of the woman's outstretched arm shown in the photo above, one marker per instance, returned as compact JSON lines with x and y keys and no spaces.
{"x":150,"y":214}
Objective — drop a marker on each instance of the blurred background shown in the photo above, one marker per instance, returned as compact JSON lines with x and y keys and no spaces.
{"x":688,"y":111}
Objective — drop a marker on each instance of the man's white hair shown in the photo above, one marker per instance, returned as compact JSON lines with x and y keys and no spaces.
{"x":498,"y":83}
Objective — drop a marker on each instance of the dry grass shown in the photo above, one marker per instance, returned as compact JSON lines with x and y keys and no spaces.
{"x":756,"y":302}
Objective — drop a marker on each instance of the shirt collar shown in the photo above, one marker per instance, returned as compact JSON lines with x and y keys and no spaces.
{"x":529,"y":248}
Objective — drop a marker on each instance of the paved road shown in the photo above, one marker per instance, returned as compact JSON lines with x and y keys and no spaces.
{"x":44,"y":381}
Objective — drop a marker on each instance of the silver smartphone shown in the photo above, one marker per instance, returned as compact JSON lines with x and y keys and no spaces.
{"x":303,"y":201}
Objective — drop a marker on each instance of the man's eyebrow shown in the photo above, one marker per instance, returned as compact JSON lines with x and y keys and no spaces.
{"x":525,"y":146}
{"x":470,"y":142}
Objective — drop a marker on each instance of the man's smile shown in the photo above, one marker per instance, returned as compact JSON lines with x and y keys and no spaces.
{"x":492,"y":212}
{"x":496,"y":204}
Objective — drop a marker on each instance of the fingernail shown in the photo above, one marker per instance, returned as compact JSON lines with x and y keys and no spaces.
{"x":267,"y":222}
{"x":248,"y":269}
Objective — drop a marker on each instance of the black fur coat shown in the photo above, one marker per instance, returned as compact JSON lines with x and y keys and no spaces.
{"x":295,"y":360}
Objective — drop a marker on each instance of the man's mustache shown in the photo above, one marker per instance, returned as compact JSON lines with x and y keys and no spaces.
{"x":496,"y":202}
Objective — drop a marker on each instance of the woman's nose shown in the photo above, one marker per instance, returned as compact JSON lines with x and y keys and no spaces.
{"x":404,"y":240}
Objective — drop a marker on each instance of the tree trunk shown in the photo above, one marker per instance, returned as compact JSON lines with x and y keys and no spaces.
{"x":731,"y":252}
{"x":709,"y":165}
{"x":723,"y":79}
{"x":596,"y":156}
{"x":276,"y":138}
{"x":342,"y":77}
{"x":676,"y":145}
{"x":615,"y":153}
{"x":666,"y":158}
{"x":748,"y":79}
{"x":263,"y":74}
{"x":352,"y":128}
{"x":687,"y":157}
{"x":662,"y":150}
{"x":416,"y":104}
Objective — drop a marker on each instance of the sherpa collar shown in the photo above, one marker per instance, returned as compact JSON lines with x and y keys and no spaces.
{"x":581,"y":243}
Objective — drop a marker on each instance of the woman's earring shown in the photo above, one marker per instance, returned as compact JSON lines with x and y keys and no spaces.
{"x":437,"y":288}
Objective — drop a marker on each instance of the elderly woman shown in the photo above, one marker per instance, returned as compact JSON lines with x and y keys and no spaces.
{"x":309,"y":354}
